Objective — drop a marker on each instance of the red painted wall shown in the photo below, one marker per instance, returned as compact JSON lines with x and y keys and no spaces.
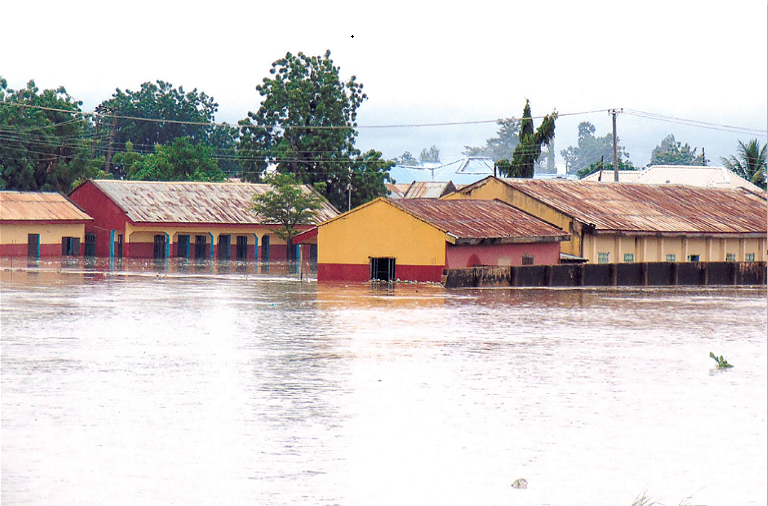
{"x":547,"y":253}
{"x":360,"y":273}
{"x":106,"y":216}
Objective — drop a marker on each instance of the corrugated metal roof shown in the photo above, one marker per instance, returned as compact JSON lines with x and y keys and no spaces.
{"x":37,"y":206}
{"x":397,"y":191}
{"x":480,"y":219}
{"x":625,"y":176}
{"x":191,"y":202}
{"x":706,"y":177}
{"x":635,"y":207}
{"x":429,"y":189}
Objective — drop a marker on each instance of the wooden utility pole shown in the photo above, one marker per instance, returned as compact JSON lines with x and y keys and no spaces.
{"x":108,"y":166}
{"x":613,"y":113}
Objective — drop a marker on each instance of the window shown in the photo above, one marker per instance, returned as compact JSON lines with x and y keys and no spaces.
{"x":730,"y":257}
{"x":749,"y":257}
{"x":70,"y":246}
{"x":671,"y":257}
{"x":602,"y":258}
{"x":383,"y":269}
{"x":693,"y":258}
{"x":629,"y":258}
{"x":527,"y":259}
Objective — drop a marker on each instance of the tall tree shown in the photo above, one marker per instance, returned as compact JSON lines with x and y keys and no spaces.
{"x":528,"y":150}
{"x":42,"y":144}
{"x":751,"y":162}
{"x":671,"y":152}
{"x":306,"y":126}
{"x":590,"y":149}
{"x":179,"y":161}
{"x":503,"y":145}
{"x":287,"y":204}
{"x":406,"y":159}
{"x":430,"y":155}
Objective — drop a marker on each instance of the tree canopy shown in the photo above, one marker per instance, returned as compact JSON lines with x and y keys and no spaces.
{"x":288,"y":205}
{"x":306,"y":126}
{"x":671,"y":152}
{"x":751,"y":162}
{"x":179,"y":161}
{"x":501,"y":147}
{"x":528,"y":149}
{"x":43,"y":145}
{"x":590,"y":149}
{"x":430,"y":155}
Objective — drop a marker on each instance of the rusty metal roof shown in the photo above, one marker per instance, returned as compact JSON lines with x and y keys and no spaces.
{"x":397,"y":191}
{"x":481,"y":219}
{"x":37,"y":206}
{"x":651,"y":208}
{"x":191,"y":202}
{"x":429,"y":189}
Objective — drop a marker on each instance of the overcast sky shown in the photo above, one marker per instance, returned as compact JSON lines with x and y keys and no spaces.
{"x":421,"y":63}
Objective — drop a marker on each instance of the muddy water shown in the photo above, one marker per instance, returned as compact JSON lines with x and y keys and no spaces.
{"x":153,"y":384}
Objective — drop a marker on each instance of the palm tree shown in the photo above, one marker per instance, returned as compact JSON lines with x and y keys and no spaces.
{"x":751,"y":163}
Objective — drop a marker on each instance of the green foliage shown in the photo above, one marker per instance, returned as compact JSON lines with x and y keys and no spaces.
{"x":607,"y":169}
{"x":590,"y":149}
{"x":721,"y":362}
{"x":157,"y":101}
{"x":179,"y":161}
{"x":751,"y":162}
{"x":369,"y":175}
{"x":528,"y":150}
{"x":287,"y":204}
{"x":430,"y":155}
{"x":671,"y":152}
{"x":501,"y":147}
{"x":406,"y":159}
{"x":306,"y":125}
{"x":41,"y":149}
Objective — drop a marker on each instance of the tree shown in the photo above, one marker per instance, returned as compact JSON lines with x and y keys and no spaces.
{"x":590,"y":149}
{"x":289,"y":204}
{"x":42,"y":145}
{"x":607,"y":168}
{"x":406,"y":159}
{"x":305,"y":125}
{"x":430,"y":155}
{"x":671,"y":152}
{"x":179,"y":161}
{"x":167,"y":113}
{"x":750,"y":164}
{"x":501,"y":147}
{"x":369,"y":173}
{"x":528,"y":150}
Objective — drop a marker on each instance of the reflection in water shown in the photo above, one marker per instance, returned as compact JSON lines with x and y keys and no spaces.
{"x":209,"y":383}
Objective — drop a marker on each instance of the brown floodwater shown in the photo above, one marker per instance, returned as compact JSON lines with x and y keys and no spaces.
{"x":143,"y":383}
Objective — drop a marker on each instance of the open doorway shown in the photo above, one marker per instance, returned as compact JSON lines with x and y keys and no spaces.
{"x":383,"y":269}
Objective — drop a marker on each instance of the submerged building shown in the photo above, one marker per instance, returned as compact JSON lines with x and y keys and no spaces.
{"x":36,"y":224}
{"x":140,"y":219}
{"x":415,"y":239}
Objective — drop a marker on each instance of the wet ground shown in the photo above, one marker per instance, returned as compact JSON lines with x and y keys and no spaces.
{"x":224,"y":384}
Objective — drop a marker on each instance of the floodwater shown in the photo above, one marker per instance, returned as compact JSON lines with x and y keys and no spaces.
{"x":143,"y":384}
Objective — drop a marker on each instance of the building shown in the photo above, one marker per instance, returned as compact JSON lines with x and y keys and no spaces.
{"x":36,"y":225}
{"x":629,"y":222}
{"x":691,"y":175}
{"x":415,"y":239}
{"x":140,"y":219}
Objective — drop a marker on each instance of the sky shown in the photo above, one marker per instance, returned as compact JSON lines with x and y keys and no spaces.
{"x":699,"y":69}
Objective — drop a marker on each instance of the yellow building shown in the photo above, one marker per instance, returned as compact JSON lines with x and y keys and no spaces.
{"x":415,"y":239}
{"x":34,"y":225}
{"x":625,"y":222}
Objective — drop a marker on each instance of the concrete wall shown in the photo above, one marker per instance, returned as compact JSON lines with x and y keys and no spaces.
{"x":637,"y":274}
{"x":14,"y":237}
{"x":458,"y":256}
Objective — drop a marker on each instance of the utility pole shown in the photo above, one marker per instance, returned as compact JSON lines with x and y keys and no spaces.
{"x":108,"y":166}
{"x":349,"y":191}
{"x":614,"y":112}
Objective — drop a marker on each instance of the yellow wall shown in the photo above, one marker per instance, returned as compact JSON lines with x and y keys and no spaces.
{"x":656,"y":249}
{"x":49,"y":233}
{"x":147,"y":234}
{"x":380,"y":230}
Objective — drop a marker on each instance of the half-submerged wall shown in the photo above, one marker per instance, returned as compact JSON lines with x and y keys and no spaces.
{"x":638,"y":274}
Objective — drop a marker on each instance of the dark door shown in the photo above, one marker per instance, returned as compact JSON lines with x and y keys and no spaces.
{"x":242,"y":248}
{"x":224,"y":243}
{"x":160,"y":246}
{"x":265,"y":248}
{"x":200,"y":247}
{"x":120,"y":246}
{"x":383,"y":269}
{"x":182,"y":246}
{"x":33,"y":245}
{"x":90,"y":245}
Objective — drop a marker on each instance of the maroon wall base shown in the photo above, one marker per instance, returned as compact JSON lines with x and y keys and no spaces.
{"x":360,"y":273}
